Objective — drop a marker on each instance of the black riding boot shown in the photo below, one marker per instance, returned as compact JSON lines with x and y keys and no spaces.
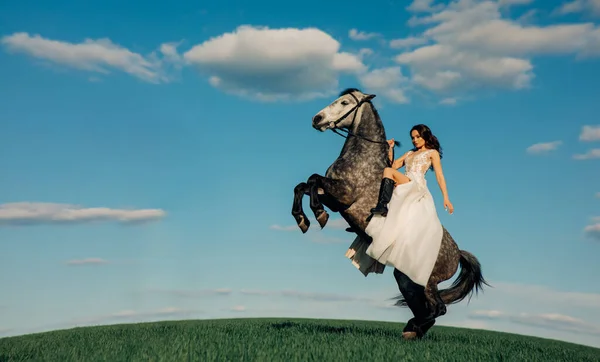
{"x":385,"y":195}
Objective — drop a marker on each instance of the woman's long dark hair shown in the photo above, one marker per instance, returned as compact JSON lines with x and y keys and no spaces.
{"x":430,"y":139}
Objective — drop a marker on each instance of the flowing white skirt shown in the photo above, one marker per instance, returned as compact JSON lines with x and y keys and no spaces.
{"x":410,"y":236}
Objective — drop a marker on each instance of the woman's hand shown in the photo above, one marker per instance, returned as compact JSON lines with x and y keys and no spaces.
{"x":391,"y":143}
{"x":448,"y":206}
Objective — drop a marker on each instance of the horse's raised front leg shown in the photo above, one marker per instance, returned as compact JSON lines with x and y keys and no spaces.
{"x":334,"y":189}
{"x":299,"y":191}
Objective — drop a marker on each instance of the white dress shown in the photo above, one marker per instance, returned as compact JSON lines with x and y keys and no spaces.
{"x":410,"y":236}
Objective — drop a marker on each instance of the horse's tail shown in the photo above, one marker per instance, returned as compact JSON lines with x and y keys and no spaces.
{"x":468,"y":281}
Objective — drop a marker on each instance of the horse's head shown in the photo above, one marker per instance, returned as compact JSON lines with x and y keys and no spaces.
{"x":340,"y":113}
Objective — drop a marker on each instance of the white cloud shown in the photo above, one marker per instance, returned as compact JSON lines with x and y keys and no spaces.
{"x":423,"y":6}
{"x":324,"y":297}
{"x":365,"y":52}
{"x":508,"y":307}
{"x":99,"y":56}
{"x":590,"y":133}
{"x":542,"y":320}
{"x":407,"y":42}
{"x":480,"y":48}
{"x":87,"y":261}
{"x":527,"y":17}
{"x":487,"y":313}
{"x":354,"y":34}
{"x":543,"y":147}
{"x":591,"y":154}
{"x":257,"y":292}
{"x":25,"y":213}
{"x":284,"y":228}
{"x":497,"y":37}
{"x":508,"y":3}
{"x":439,"y":80}
{"x":537,"y":295}
{"x":187,"y":293}
{"x":273,"y":64}
{"x":532,"y":310}
{"x":441,"y":67}
{"x":311,"y":296}
{"x":315,"y":234}
{"x":579,"y":6}
{"x":461,"y":47}
{"x":169,"y":50}
{"x":449,"y":101}
{"x":256,"y":62}
{"x":386,"y":82}
{"x":290,"y":294}
{"x":593,"y":230}
{"x":338,"y":223}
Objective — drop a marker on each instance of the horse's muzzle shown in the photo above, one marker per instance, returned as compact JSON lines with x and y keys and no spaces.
{"x":318,"y":124}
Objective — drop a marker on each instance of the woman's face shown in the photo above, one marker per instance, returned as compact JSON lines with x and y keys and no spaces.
{"x":417,"y":141}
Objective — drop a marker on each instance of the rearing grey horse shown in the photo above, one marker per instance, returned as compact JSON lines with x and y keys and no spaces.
{"x":350,"y":187}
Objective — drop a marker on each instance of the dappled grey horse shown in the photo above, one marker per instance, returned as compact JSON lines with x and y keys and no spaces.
{"x":351,"y":186}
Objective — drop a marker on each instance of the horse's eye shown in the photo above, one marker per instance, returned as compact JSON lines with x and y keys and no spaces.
{"x":344,"y":103}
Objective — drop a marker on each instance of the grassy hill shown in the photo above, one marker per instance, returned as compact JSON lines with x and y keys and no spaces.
{"x":279,"y":339}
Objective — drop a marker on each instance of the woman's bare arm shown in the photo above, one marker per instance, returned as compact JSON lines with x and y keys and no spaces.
{"x":439,"y":175}
{"x":399,"y":162}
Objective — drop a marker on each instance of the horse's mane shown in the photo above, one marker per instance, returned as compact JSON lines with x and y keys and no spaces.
{"x":348,"y":91}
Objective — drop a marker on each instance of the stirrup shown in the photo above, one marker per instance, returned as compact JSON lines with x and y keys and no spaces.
{"x":384,"y":214}
{"x":379,"y":210}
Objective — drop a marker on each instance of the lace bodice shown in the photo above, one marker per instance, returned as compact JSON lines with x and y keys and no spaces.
{"x":417,"y":164}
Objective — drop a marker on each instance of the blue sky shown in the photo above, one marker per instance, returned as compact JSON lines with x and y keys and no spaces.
{"x":195,"y":119}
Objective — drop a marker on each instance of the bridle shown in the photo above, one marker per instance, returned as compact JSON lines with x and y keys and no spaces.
{"x":335,"y":129}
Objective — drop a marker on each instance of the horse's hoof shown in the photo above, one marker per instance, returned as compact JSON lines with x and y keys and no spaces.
{"x":409,"y":335}
{"x":322,"y":218}
{"x":303,"y":224}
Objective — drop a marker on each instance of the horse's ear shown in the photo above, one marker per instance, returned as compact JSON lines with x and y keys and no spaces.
{"x":368,"y":97}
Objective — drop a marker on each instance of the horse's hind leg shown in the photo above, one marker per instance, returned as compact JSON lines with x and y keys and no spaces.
{"x":445,"y":267}
{"x":299,"y":191}
{"x":438,"y":307}
{"x":415,"y":300}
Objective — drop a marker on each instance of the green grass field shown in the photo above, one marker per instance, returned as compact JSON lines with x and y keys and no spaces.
{"x":278,"y":339}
